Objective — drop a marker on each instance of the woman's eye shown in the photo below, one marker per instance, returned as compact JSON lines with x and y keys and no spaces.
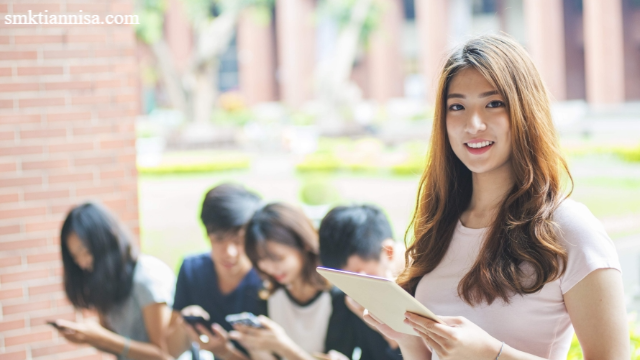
{"x":495,"y":104}
{"x":456,"y":107}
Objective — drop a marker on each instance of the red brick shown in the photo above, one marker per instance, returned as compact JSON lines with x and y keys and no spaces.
{"x":5,"y":40}
{"x":47,"y":133}
{"x":90,"y":69}
{"x":118,"y":144}
{"x":106,"y":114}
{"x":108,"y":84}
{"x":42,"y":320}
{"x":126,"y":98}
{"x":11,"y":325}
{"x":69,"y":85}
{"x":35,"y":8}
{"x":7,"y":135}
{"x":43,"y":225}
{"x":90,"y":100}
{"x":9,"y":198}
{"x":102,"y":160}
{"x":6,"y":104}
{"x":69,"y":116}
{"x":95,"y":190}
{"x":53,"y":349}
{"x":63,"y":302}
{"x":19,"y":119}
{"x":9,"y":229}
{"x":28,"y":338}
{"x":45,"y":289}
{"x":10,"y":294}
{"x":48,"y":164}
{"x":25,"y":308}
{"x":71,"y":178}
{"x":121,"y":8}
{"x":17,"y":87}
{"x":24,"y":276}
{"x":114,"y":174}
{"x":8,"y":167}
{"x":15,"y":355}
{"x":68,"y":54}
{"x":88,"y":7}
{"x":6,"y":71}
{"x":18,"y":213}
{"x":10,"y":261}
{"x":20,"y":150}
{"x":4,"y":8}
{"x":18,"y":55}
{"x":40,"y":70}
{"x":83,"y":146}
{"x":93,"y":130}
{"x":20,"y":181}
{"x":92,"y":38}
{"x":25,"y":103}
{"x":38,"y":258}
{"x":45,"y":195}
{"x":38,"y":39}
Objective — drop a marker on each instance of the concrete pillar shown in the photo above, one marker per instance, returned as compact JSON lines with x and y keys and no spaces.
{"x":178,"y":33}
{"x":296,"y":50}
{"x":256,"y":59}
{"x":385,"y":54}
{"x":545,"y":42}
{"x":432,"y":21}
{"x":604,"y":55}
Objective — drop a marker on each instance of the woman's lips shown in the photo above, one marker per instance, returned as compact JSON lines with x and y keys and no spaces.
{"x":478,"y":151}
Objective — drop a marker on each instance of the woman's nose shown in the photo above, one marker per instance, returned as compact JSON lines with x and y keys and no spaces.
{"x":475,"y":124}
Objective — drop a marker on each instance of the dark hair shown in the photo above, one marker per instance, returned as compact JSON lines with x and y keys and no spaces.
{"x":352,"y":230}
{"x":111,"y":279}
{"x":289,"y":226}
{"x":227,"y":207}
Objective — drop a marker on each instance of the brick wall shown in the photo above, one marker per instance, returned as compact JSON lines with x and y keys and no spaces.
{"x":68,"y":99}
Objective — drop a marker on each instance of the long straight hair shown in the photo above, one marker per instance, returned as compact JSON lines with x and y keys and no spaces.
{"x":287,"y":225}
{"x":523,"y":231}
{"x":114,"y":259}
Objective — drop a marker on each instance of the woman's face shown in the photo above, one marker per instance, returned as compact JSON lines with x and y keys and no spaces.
{"x":283,"y":263}
{"x":80,"y":254}
{"x":477,"y":120}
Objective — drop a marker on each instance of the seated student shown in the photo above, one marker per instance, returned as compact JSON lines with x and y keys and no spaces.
{"x":222,"y":281}
{"x":304,"y":315}
{"x":359,"y":239}
{"x":131,"y":293}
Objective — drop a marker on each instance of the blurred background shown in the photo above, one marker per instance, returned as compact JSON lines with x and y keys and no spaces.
{"x":313,"y":102}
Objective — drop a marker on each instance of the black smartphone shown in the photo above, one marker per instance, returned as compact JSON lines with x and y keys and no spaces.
{"x":54,"y":324}
{"x":193,"y":320}
{"x":245,"y":318}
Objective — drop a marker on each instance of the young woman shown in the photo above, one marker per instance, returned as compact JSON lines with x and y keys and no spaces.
{"x":508,"y":262}
{"x":132,"y":294}
{"x":304,"y":315}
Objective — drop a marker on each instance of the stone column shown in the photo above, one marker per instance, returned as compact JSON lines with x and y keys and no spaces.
{"x":432,"y":20}
{"x":385,"y":54}
{"x":545,"y":42}
{"x":604,"y":55}
{"x":256,"y":59}
{"x":296,"y":50}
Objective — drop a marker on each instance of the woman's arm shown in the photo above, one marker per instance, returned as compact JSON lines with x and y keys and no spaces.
{"x":177,"y":338}
{"x":598,"y":313}
{"x":156,"y":317}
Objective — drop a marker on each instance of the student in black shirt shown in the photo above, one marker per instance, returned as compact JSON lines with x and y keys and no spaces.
{"x":359,"y":239}
{"x":220,"y":282}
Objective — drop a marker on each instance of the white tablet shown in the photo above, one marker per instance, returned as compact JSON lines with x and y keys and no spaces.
{"x":384,"y":299}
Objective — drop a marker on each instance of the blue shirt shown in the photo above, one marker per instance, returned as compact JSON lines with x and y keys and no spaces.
{"x":198,"y":285}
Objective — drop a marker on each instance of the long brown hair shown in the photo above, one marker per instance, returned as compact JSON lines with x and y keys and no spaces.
{"x":289,"y":226}
{"x":523,"y":230}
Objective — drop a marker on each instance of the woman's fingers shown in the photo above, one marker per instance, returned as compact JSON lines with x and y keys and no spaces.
{"x":195,"y":310}
{"x":429,"y":341}
{"x":429,"y":325}
{"x":218,"y":330}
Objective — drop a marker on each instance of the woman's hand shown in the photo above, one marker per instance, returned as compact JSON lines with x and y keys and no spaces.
{"x":271,"y":338}
{"x":359,"y":311}
{"x":457,"y":338}
{"x":89,"y":332}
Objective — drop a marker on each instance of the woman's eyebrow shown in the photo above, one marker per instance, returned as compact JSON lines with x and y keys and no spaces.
{"x":483,"y":95}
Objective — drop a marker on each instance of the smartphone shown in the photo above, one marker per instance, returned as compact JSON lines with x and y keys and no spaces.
{"x":54,"y":324}
{"x":245,"y":318}
{"x":193,"y":320}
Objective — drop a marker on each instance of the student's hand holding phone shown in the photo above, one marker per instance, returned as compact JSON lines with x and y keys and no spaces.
{"x":271,"y":338}
{"x":458,"y":338}
{"x":89,"y":332}
{"x":214,"y":338}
